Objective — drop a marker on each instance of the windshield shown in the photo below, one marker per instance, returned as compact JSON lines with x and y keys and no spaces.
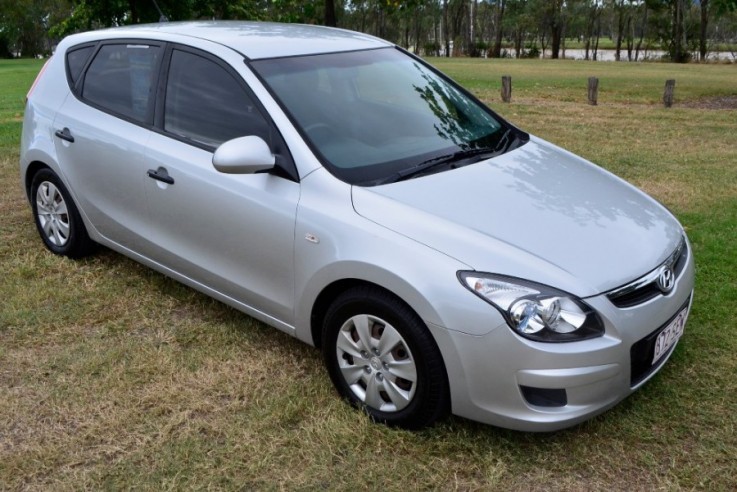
{"x":373,"y":115}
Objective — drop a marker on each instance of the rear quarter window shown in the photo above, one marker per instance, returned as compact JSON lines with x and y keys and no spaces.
{"x":76,"y":60}
{"x":120,"y":79}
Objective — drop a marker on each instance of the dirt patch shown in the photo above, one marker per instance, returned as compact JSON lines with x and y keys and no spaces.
{"x":723,"y":102}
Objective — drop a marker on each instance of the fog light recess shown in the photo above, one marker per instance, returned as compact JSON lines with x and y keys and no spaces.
{"x":544,"y":397}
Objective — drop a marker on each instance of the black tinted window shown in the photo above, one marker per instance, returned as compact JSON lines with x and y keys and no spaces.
{"x":206,"y":104}
{"x":76,"y":60}
{"x":120,"y":79}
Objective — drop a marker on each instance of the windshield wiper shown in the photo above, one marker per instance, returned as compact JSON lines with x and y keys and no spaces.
{"x":425,"y":167}
{"x":452,"y":159}
{"x":504,"y":142}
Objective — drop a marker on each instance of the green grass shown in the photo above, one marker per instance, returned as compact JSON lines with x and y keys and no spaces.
{"x":113,"y":376}
{"x":566,"y":80}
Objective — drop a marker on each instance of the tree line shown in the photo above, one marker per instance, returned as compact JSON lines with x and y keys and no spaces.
{"x":684,"y":29}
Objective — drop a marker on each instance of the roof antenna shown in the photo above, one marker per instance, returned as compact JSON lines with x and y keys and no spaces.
{"x":162,"y":17}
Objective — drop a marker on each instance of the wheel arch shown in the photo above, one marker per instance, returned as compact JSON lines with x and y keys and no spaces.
{"x":326,"y":297}
{"x":31,"y":171}
{"x":401,"y":290}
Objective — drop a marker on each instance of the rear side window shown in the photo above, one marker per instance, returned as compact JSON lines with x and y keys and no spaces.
{"x":206,"y":104}
{"x":120,"y":79}
{"x":76,"y":60}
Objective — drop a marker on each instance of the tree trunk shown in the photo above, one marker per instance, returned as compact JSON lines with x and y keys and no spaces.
{"x":518,"y":39}
{"x":590,"y":27}
{"x":703,"y":27}
{"x":418,"y":44}
{"x":678,"y":54}
{"x":134,"y":12}
{"x":436,"y":31}
{"x":471,"y":29}
{"x":445,"y":28}
{"x":598,"y":33}
{"x":643,"y":31}
{"x":382,"y":22}
{"x":555,"y":41}
{"x":557,"y":23}
{"x":498,"y":19}
{"x":543,"y":43}
{"x":630,"y":38}
{"x":563,"y":42}
{"x":620,"y":32}
{"x":330,"y":13}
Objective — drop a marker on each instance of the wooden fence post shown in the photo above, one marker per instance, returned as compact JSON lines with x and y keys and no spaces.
{"x":593,"y":90}
{"x":506,"y":88}
{"x":670,"y":87}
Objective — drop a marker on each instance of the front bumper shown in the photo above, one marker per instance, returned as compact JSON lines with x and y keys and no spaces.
{"x":505,"y":380}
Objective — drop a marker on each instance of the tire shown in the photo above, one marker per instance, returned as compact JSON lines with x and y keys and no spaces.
{"x":382,"y":359}
{"x":57,"y":218}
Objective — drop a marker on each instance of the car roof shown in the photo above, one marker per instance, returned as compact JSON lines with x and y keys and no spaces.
{"x":254,"y":40}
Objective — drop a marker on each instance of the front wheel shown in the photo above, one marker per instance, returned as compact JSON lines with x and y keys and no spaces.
{"x":382,"y":358}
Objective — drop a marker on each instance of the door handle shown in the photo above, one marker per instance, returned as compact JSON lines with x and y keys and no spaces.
{"x":160,"y":174}
{"x":65,"y":134}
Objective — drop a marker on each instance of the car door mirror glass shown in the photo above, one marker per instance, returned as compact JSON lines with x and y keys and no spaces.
{"x":243,"y":155}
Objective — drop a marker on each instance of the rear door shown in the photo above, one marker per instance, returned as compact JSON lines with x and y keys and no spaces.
{"x":102,"y":132}
{"x":232,"y":233}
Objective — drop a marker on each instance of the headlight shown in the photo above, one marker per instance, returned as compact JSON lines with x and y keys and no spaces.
{"x":535,"y":311}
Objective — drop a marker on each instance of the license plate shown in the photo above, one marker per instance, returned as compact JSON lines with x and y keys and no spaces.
{"x":669,"y":336}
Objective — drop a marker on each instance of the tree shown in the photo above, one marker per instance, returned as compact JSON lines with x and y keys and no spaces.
{"x":623,"y":15}
{"x":330,"y":19}
{"x":592,"y":30}
{"x":24,"y":25}
{"x":469,"y":26}
{"x":678,"y":52}
{"x":704,"y":8}
{"x":499,"y":7}
{"x":556,"y":21}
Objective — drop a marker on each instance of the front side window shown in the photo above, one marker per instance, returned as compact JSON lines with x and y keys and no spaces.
{"x":376,"y":116}
{"x":120,"y":79}
{"x":206,"y":104}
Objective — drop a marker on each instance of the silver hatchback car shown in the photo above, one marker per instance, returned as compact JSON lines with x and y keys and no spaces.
{"x":340,"y":189}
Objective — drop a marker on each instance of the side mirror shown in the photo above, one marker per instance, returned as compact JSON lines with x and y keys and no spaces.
{"x":244,"y":155}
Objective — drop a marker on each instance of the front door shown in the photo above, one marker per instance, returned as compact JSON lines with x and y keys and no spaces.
{"x":232,"y":233}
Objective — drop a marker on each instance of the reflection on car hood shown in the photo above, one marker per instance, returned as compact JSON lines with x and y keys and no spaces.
{"x":538,"y":212}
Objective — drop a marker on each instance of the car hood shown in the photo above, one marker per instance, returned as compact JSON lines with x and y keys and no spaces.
{"x":537,"y":212}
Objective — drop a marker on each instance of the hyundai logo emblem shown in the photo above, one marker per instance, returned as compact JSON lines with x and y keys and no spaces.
{"x":666,"y":279}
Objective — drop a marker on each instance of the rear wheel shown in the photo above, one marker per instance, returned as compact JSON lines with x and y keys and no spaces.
{"x":57,"y":218}
{"x":382,"y":358}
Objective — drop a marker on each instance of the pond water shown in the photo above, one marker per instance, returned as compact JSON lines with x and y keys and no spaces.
{"x":609,"y":55}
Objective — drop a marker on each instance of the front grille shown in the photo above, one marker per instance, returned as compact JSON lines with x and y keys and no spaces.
{"x":641,"y":353}
{"x":645,"y":288}
{"x":636,"y":296}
